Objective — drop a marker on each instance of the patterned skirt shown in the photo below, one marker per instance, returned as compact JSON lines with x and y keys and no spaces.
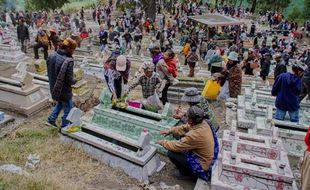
{"x":193,"y":160}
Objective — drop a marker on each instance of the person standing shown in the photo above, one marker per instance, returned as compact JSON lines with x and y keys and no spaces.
{"x":305,"y":88}
{"x":280,"y":65}
{"x":265,"y":66}
{"x":22,"y":35}
{"x":41,"y":42}
{"x":287,"y":88}
{"x":60,"y":73}
{"x":234,"y":76}
{"x":305,"y":166}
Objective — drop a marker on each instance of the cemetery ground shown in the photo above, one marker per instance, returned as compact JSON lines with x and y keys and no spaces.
{"x":63,"y":166}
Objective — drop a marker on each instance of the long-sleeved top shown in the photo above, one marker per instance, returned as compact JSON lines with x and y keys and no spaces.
{"x":22,"y":32}
{"x":235,"y":81}
{"x":280,"y":68}
{"x":54,"y":64}
{"x":111,"y":75}
{"x":287,"y":88}
{"x":162,"y":70}
{"x":149,"y":84}
{"x":198,"y":139}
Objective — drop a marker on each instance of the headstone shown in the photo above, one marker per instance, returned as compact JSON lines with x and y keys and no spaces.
{"x":40,"y":66}
{"x":74,"y":117}
{"x":11,"y":54}
{"x":21,"y":96}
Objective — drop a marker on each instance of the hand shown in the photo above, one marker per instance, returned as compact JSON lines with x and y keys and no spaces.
{"x":165,"y":132}
{"x":160,"y":142}
{"x":114,"y":96}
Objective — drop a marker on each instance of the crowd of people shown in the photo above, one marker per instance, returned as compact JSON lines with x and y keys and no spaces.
{"x":282,"y":58}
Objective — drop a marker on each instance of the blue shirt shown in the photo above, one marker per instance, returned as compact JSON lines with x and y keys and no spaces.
{"x":287,"y":88}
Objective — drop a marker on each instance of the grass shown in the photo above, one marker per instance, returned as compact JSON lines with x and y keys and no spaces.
{"x":61,"y":166}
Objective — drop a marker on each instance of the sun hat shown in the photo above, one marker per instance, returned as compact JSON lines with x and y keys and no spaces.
{"x":233,"y":56}
{"x":121,"y":63}
{"x":191,"y":95}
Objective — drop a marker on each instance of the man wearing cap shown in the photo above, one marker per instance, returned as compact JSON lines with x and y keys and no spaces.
{"x":235,"y":75}
{"x":196,"y":152}
{"x":280,"y":65}
{"x":287,"y":88}
{"x":116,"y":72}
{"x":149,"y":81}
{"x":60,"y":73}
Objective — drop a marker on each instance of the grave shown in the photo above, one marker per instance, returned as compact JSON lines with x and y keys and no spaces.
{"x":292,"y":134}
{"x":176,"y":92}
{"x":252,"y":162}
{"x":131,"y":121}
{"x":11,"y":53}
{"x":21,"y":96}
{"x":80,"y":88}
{"x":137,"y":158}
{"x":40,"y":66}
{"x":257,"y":145}
{"x":240,"y":171}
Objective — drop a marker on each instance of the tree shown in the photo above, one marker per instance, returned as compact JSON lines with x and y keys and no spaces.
{"x":46,"y":5}
{"x":295,"y":14}
{"x":307,"y":8}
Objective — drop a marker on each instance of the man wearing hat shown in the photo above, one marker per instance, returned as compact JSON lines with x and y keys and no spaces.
{"x":287,"y":88}
{"x":149,"y":81}
{"x":196,"y":152}
{"x":116,"y":73}
{"x":54,"y":39}
{"x":60,"y":73}
{"x":235,"y":75}
{"x":280,"y":65}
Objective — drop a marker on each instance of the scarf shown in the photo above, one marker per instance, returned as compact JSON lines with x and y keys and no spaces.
{"x":158,"y":57}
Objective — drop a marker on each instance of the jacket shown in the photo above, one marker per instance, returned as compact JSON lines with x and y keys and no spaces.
{"x":172,"y":66}
{"x":307,"y":139}
{"x":287,"y":88}
{"x":234,"y":81}
{"x":265,"y":68}
{"x":280,"y":68}
{"x":198,"y":139}
{"x":54,"y":63}
{"x":22,"y":32}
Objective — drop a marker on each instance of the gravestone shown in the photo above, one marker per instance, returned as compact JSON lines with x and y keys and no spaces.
{"x":11,"y":53}
{"x":131,"y":121}
{"x":137,"y":158}
{"x":40,"y":66}
{"x":21,"y":96}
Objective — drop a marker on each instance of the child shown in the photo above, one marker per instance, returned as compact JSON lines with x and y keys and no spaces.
{"x":171,"y":62}
{"x":191,"y":59}
{"x":149,"y":81}
{"x":305,"y":166}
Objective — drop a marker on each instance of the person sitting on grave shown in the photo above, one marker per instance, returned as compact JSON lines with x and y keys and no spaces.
{"x":150,"y":81}
{"x":305,"y":165}
{"x":116,"y":73}
{"x":41,"y":42}
{"x":60,"y":73}
{"x":287,"y":88}
{"x":196,"y":152}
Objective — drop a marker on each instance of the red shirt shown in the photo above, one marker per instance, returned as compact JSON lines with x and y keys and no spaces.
{"x":307,"y":140}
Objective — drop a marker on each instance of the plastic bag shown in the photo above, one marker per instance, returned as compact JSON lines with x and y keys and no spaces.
{"x":211,"y":89}
{"x":153,"y":103}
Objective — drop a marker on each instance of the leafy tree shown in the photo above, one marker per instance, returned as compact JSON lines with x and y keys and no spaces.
{"x":46,"y":4}
{"x":307,"y":8}
{"x":295,"y":14}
